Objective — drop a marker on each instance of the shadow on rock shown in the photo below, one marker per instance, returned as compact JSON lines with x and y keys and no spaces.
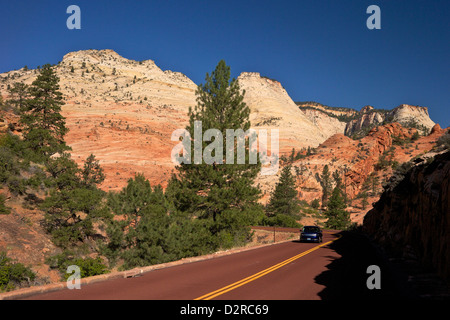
{"x":346,"y":277}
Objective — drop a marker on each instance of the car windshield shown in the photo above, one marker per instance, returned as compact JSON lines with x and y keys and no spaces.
{"x":311,"y":229}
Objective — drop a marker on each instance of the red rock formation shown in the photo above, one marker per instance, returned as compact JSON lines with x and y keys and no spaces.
{"x":356,"y":160}
{"x":415,"y":213}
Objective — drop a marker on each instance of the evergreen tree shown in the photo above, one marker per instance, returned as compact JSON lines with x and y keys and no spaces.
{"x":19,"y":94}
{"x":133,"y":198}
{"x":92,"y":173}
{"x":338,"y":217}
{"x":325,"y":181}
{"x":339,"y":185}
{"x":145,"y":234}
{"x":220,"y":190}
{"x":75,"y":203}
{"x":3,"y":208}
{"x":284,"y":197}
{"x":44,"y":126}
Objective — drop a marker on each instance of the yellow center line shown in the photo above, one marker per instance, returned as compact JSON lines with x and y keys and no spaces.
{"x":260,"y":274}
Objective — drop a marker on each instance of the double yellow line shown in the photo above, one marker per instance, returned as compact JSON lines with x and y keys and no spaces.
{"x":260,"y":274}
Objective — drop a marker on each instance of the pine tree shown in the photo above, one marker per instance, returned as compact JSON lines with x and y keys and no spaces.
{"x":137,"y":237}
{"x":325,"y":181}
{"x":92,"y":173}
{"x":3,"y":208}
{"x":220,"y":191}
{"x":339,"y":185}
{"x":284,"y":197}
{"x":19,"y":94}
{"x":338,"y":217}
{"x":75,"y":203}
{"x":220,"y":186}
{"x":44,"y":126}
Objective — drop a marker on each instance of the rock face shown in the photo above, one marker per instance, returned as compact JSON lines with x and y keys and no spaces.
{"x":272,"y":107}
{"x":121,"y":110}
{"x":415,"y":214}
{"x":124,"y":112}
{"x":366,"y":119}
{"x":358,"y":163}
{"x":407,"y":115}
{"x":328,"y":125}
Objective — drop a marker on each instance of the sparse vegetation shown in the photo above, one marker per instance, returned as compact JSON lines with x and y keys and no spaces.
{"x":13,"y":274}
{"x":444,"y":141}
{"x":3,"y":208}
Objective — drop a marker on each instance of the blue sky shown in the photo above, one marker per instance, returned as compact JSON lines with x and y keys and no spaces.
{"x":320,"y":50}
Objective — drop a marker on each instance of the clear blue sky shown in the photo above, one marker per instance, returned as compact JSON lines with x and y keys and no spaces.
{"x":320,"y":50}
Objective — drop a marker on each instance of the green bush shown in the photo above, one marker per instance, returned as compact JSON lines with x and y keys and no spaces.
{"x":281,"y":220}
{"x":444,"y":140}
{"x":16,"y":185}
{"x":8,"y":164}
{"x":88,"y":266}
{"x":315,"y":203}
{"x":13,"y":274}
{"x":3,"y":208}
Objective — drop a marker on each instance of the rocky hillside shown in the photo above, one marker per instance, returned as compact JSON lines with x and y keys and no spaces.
{"x":412,"y":217}
{"x":365,"y":165}
{"x":357,"y":124}
{"x":271,"y":107}
{"x":407,"y":115}
{"x":124,"y":111}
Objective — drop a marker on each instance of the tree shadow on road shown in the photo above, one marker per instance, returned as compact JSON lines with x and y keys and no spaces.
{"x":346,"y":277}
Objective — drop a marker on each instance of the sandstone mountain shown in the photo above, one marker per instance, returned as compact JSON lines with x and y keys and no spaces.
{"x":358,"y":123}
{"x":121,"y":110}
{"x":364,"y":165}
{"x":124,"y":111}
{"x":271,"y":107}
{"x":407,"y":115}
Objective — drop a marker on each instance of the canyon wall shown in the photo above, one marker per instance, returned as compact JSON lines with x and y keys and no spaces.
{"x":414,"y":214}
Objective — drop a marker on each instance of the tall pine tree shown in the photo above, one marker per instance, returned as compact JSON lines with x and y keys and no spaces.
{"x":44,"y":126}
{"x":220,"y":191}
{"x":284,"y":197}
{"x":325,"y":181}
{"x":338,"y":217}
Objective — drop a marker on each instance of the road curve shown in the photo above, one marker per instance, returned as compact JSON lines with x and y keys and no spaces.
{"x":282,"y":271}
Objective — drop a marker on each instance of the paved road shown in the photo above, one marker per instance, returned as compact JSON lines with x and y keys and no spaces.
{"x":285,"y":271}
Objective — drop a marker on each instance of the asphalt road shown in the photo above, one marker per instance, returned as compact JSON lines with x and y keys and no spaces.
{"x":334,"y":269}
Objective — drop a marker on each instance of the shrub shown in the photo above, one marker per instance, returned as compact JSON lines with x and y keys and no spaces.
{"x":444,"y":140}
{"x":8,"y":164}
{"x":281,"y":220}
{"x":16,"y":185}
{"x":13,"y":274}
{"x":3,"y":208}
{"x":315,"y":203}
{"x":88,"y":266}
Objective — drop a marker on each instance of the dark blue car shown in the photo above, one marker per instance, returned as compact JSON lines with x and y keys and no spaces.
{"x":311,"y":233}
